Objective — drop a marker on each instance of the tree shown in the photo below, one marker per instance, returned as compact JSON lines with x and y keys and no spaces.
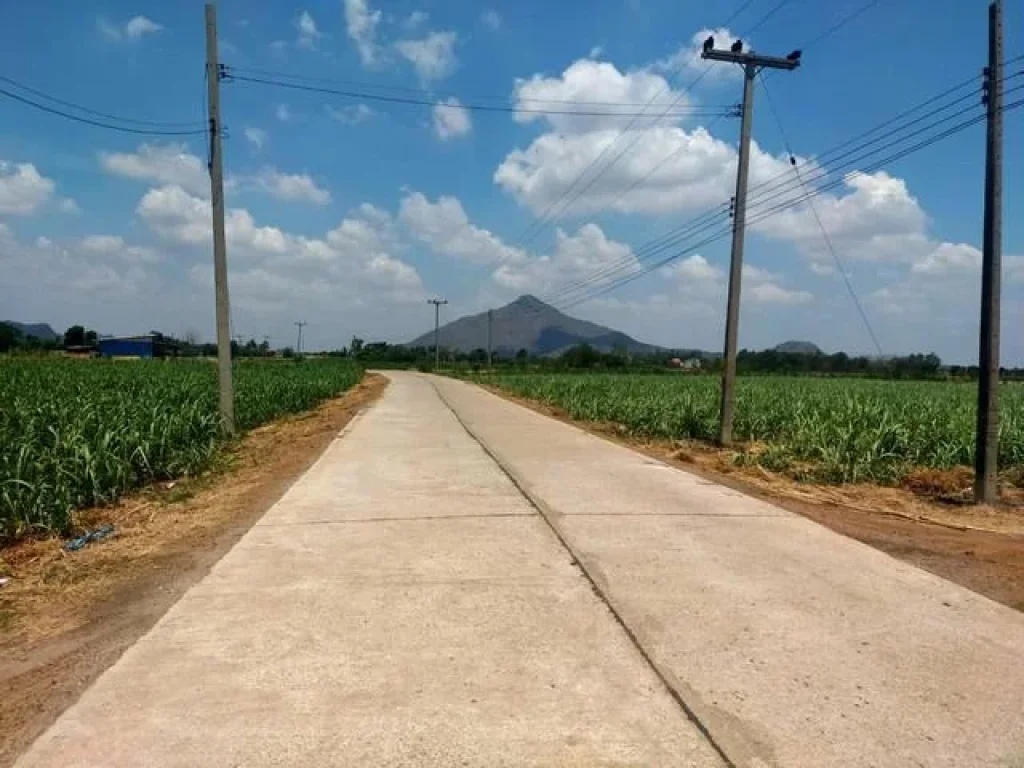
{"x":74,"y":336}
{"x":10,"y":337}
{"x":355,"y":347}
{"x":522,"y":355}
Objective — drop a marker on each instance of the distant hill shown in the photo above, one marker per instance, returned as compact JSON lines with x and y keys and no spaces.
{"x":528,"y":323}
{"x":41,"y":331}
{"x":799,"y":348}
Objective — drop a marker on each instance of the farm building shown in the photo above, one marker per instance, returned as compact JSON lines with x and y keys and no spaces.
{"x":146,"y":346}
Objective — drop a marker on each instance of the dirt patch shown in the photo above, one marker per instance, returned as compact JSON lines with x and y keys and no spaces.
{"x":66,"y":617}
{"x":926,"y":523}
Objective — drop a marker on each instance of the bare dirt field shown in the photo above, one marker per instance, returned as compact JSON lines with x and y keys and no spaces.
{"x":66,"y":617}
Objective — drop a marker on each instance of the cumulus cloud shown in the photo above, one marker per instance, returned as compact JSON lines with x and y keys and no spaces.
{"x":292,"y":187}
{"x":666,"y":169}
{"x":687,"y":58}
{"x":23,"y":190}
{"x":132,"y":30}
{"x":433,"y":57}
{"x":416,"y":19}
{"x":451,"y":120}
{"x":350,"y":115}
{"x":491,"y":19}
{"x":445,"y":227}
{"x":588,"y":254}
{"x":357,"y":260}
{"x":257,"y":137}
{"x":597,"y":82}
{"x":160,"y":163}
{"x":362,"y":25}
{"x":97,"y":265}
{"x":308,"y":34}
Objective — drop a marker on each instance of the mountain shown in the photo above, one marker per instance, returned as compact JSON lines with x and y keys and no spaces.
{"x":528,"y":323}
{"x":799,"y":348}
{"x":41,"y":331}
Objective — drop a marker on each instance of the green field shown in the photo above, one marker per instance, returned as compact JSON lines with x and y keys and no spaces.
{"x":75,"y":433}
{"x":832,"y":430}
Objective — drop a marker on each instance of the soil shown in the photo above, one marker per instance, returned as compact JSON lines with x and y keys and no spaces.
{"x":927,"y":522}
{"x":66,"y":617}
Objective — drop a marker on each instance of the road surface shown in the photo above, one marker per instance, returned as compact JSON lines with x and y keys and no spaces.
{"x":461,"y":581}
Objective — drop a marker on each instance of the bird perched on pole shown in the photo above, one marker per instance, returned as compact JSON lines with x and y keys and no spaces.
{"x":709,"y":43}
{"x":737,"y":47}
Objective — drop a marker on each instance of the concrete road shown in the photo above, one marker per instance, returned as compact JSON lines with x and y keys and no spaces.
{"x":402,"y":605}
{"x":792,"y":645}
{"x":461,"y":581}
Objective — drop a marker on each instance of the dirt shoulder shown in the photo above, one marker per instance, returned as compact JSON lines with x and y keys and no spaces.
{"x":978,"y":547}
{"x":66,"y":617}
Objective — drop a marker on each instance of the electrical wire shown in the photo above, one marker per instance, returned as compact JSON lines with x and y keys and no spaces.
{"x":99,"y":124}
{"x":439,"y":96}
{"x":702,"y":221}
{"x":964,"y":125}
{"x":535,"y":228}
{"x":821,"y":225}
{"x":97,"y":113}
{"x":232,"y":76}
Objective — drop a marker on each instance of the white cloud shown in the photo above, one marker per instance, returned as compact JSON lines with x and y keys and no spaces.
{"x":695,"y":269}
{"x":764,"y":287}
{"x":666,"y":169}
{"x":491,"y":19}
{"x":451,"y":120}
{"x":23,"y":189}
{"x":308,"y":34}
{"x":98,"y":265}
{"x":688,"y":57}
{"x":445,"y":227}
{"x":416,"y":19}
{"x":115,"y":246}
{"x":433,"y":57}
{"x":68,"y":205}
{"x":257,"y":137}
{"x":358,"y":261}
{"x":283,"y":113}
{"x":134,"y":29}
{"x":161,"y":163}
{"x":598,"y":82}
{"x":350,"y":115}
{"x":362,"y":26}
{"x":589,"y":254}
{"x":949,"y":259}
{"x":292,"y":187}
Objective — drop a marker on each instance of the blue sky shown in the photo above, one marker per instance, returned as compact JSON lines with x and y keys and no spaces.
{"x":348,"y":213}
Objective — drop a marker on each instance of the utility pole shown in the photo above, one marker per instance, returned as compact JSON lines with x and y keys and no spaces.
{"x":752,"y":64}
{"x":490,"y":334}
{"x":437,"y":325}
{"x":300,"y":324}
{"x":220,"y":259}
{"x":986,"y":451}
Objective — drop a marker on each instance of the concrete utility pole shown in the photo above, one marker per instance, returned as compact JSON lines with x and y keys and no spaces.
{"x":437,"y":326}
{"x":986,"y":451}
{"x":490,"y":334}
{"x":752,"y":64}
{"x":220,"y":259}
{"x":300,"y":324}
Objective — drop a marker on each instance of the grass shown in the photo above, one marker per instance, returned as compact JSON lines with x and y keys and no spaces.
{"x":834,"y":430}
{"x":77,"y":433}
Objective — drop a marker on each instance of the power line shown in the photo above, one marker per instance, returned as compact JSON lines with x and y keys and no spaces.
{"x":439,"y":96}
{"x":232,"y":76}
{"x":538,"y":225}
{"x":821,"y":225}
{"x":703,"y":221}
{"x":97,"y":113}
{"x":964,"y":125}
{"x":100,"y":124}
